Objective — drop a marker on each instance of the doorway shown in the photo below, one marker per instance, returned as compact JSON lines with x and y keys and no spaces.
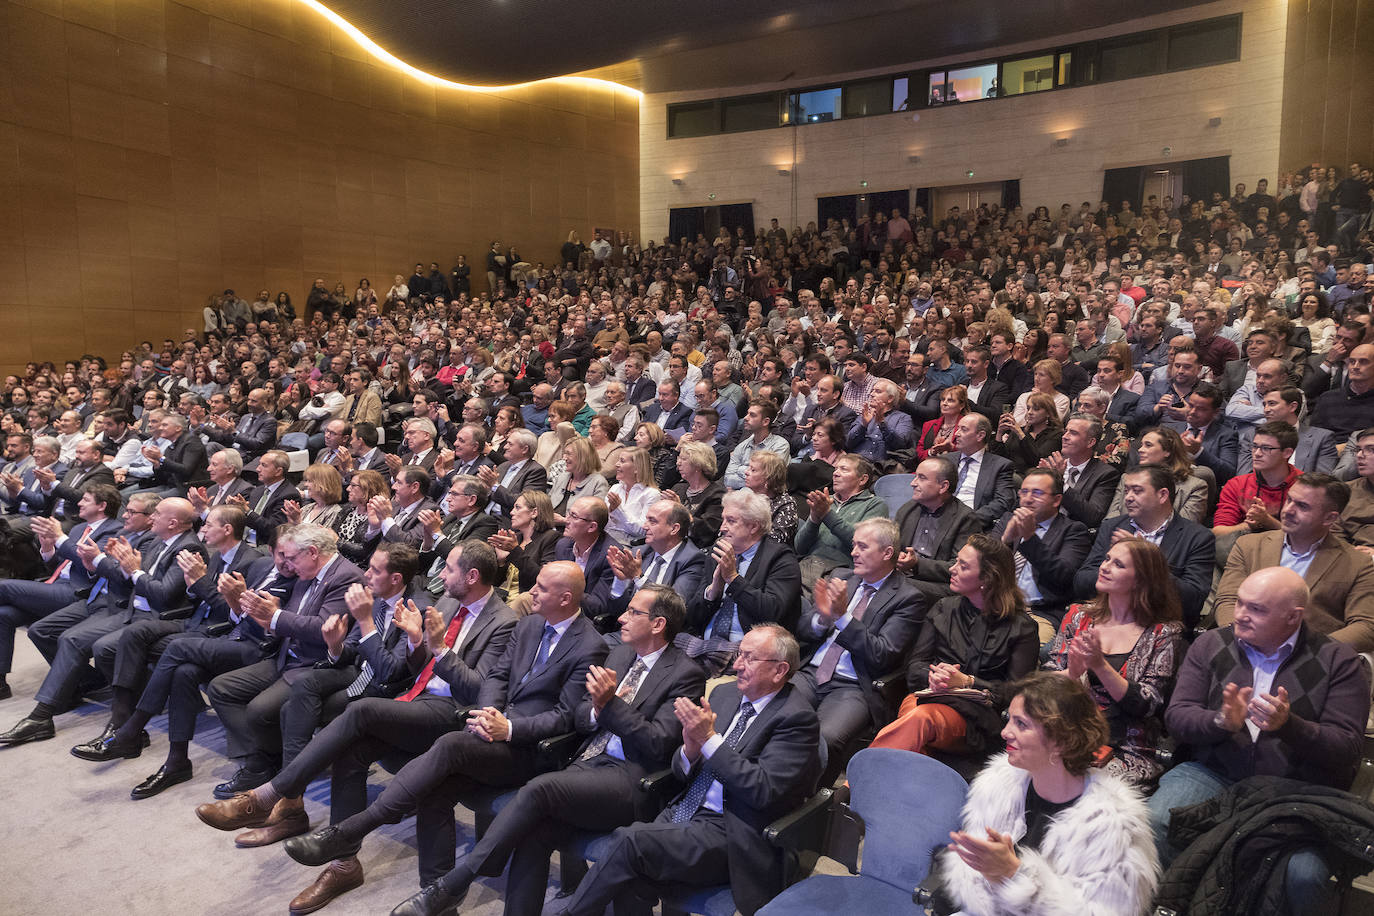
{"x":966,"y":197}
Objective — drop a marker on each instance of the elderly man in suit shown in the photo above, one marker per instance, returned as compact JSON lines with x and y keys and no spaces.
{"x":184,"y":463}
{"x":1189,"y":548}
{"x":531,"y":693}
{"x":1339,"y":577}
{"x":667,"y":558}
{"x":1049,"y":548}
{"x":140,"y":582}
{"x":224,"y":467}
{"x":22,"y":493}
{"x":518,"y":473}
{"x":864,"y":622}
{"x":1316,"y":449}
{"x":23,"y":602}
{"x":63,"y":496}
{"x":257,"y":691}
{"x":753,"y":579}
{"x":630,"y":720}
{"x":933,"y":526}
{"x":264,"y":506}
{"x":749,"y":755}
{"x":668,"y":411}
{"x":254,"y":432}
{"x":985,"y":479}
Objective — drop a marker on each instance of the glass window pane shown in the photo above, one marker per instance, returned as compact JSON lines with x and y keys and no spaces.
{"x":900,"y":100}
{"x":1029,"y":74}
{"x":937,"y":88}
{"x":816,"y":106}
{"x":969,"y":84}
{"x":755,"y":112}
{"x":1131,"y":57}
{"x":1065,"y":67}
{"x":871,"y":97}
{"x":692,"y":119}
{"x":1207,"y":43}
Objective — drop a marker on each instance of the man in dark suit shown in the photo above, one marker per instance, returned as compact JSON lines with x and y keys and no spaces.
{"x":667,"y":558}
{"x":1051,"y":544}
{"x":1206,"y":434}
{"x":23,"y":602}
{"x":1010,"y":372}
{"x":1089,"y":483}
{"x":518,"y":473}
{"x":828,"y":405}
{"x":465,"y":501}
{"x":1189,"y":548}
{"x":748,"y":757}
{"x":639,"y":388}
{"x":184,"y":464}
{"x":632,"y":727}
{"x":1074,"y":378}
{"x":418,"y":446}
{"x":668,"y":412}
{"x":921,"y":397}
{"x":753,"y":579}
{"x":22,"y":494}
{"x":258,"y":691}
{"x":986,"y":395}
{"x":264,"y":506}
{"x":1110,"y":379}
{"x":397,"y":520}
{"x":139,"y":581}
{"x":985,"y":479}
{"x":63,"y":496}
{"x":530,"y":694}
{"x":933,"y":527}
{"x":453,"y":648}
{"x":224,"y":468}
{"x":865,"y":622}
{"x":585,"y":542}
{"x":254,"y":432}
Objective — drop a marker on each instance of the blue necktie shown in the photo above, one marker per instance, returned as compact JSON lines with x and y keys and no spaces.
{"x":701,"y":783}
{"x":541,"y":658}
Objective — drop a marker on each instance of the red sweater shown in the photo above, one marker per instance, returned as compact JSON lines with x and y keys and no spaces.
{"x":1238,"y":491}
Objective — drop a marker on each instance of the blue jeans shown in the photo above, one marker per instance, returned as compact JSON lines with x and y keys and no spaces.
{"x":1307,"y":881}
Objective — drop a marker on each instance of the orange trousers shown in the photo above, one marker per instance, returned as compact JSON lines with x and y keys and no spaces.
{"x":923,"y":725}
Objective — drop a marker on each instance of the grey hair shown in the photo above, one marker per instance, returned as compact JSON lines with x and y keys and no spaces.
{"x":753,"y":506}
{"x":305,"y":536}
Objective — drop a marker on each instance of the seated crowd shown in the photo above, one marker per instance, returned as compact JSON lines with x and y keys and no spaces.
{"x":1093,"y":486}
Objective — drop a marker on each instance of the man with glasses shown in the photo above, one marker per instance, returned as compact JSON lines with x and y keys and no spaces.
{"x":1316,"y":450}
{"x":586,"y":543}
{"x":1252,"y":502}
{"x":1048,"y":548}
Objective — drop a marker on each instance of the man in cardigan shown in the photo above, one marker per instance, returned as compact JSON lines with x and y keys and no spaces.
{"x":1266,"y":696}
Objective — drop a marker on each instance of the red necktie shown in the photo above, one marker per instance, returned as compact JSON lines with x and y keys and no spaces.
{"x":450,"y":637}
{"x":57,"y":574}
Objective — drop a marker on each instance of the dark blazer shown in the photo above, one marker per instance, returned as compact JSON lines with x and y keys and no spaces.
{"x":210,"y":606}
{"x":234,"y":487}
{"x":163,"y":591}
{"x":878,"y":644}
{"x":774,"y":770}
{"x":185,"y":464}
{"x":264,"y":523}
{"x":1123,"y":407}
{"x":478,"y":525}
{"x":596,"y":597}
{"x":67,"y":490}
{"x":706,"y":512}
{"x":1190,"y":549}
{"x":1233,"y":377}
{"x":768,"y":592}
{"x":992,"y":397}
{"x":532,"y":476}
{"x":387,"y":654}
{"x":956,"y":523}
{"x":1014,"y":374}
{"x":647,"y":726}
{"x":1075,"y":379}
{"x":994,"y":493}
{"x":467,"y":668}
{"x":1090,"y":497}
{"x":1054,"y":559}
{"x":530,"y":558}
{"x":409,"y":530}
{"x":253,"y":434}
{"x":923,"y":404}
{"x":641,"y":391}
{"x":686,"y":574}
{"x":813,"y":415}
{"x":1220,"y":448}
{"x":541,"y":704}
{"x":78,"y":575}
{"x":299,"y":625}
{"x":31,"y":500}
{"x":280,"y":588}
{"x":680,"y":417}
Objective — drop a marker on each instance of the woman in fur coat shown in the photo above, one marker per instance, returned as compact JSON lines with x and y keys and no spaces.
{"x":1044,"y":833}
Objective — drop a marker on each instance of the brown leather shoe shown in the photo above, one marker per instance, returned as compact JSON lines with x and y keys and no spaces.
{"x":288,"y":819}
{"x":234,"y":814}
{"x":339,"y":878}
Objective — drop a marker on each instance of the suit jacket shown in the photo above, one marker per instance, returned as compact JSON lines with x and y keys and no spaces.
{"x":877,"y":644}
{"x":1054,"y":559}
{"x":532,"y":476}
{"x":1220,"y":448}
{"x":814,"y":414}
{"x":1340,"y":577}
{"x":478,"y":525}
{"x":1088,"y":499}
{"x":67,"y":490}
{"x":253,"y":434}
{"x":386,"y":653}
{"x":31,"y":500}
{"x":233,"y":488}
{"x":1075,"y":379}
{"x":1233,"y":377}
{"x":772,"y":771}
{"x":467,"y":668}
{"x":679,"y":418}
{"x":955,"y":524}
{"x":1189,"y":548}
{"x":541,"y":704}
{"x":299,"y":623}
{"x":647,"y":726}
{"x":1014,"y":374}
{"x":1123,"y":407}
{"x":921,"y":404}
{"x":280,"y":588}
{"x":184,"y":464}
{"x":992,"y":397}
{"x":164,"y":587}
{"x":77,"y":574}
{"x":640,"y":392}
{"x":1316,"y":451}
{"x":686,"y":575}
{"x":768,"y":592}
{"x":264,"y":523}
{"x":408,"y":530}
{"x":210,"y":606}
{"x":596,"y":598}
{"x":369,"y":408}
{"x":994,"y":493}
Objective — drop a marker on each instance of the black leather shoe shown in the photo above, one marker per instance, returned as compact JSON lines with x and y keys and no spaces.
{"x":162,"y":779}
{"x":29,"y":729}
{"x":320,"y":847}
{"x":107,"y":747}
{"x":432,"y":900}
{"x":245,"y":780}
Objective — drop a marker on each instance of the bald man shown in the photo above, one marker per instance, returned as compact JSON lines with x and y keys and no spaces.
{"x":1266,"y":696}
{"x":141,"y":582}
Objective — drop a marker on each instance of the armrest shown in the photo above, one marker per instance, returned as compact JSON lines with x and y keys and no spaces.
{"x":177,"y":613}
{"x":658,"y":783}
{"x":557,"y":752}
{"x":806,"y":828}
{"x":891,"y":687}
{"x":219,"y":629}
{"x":846,"y":833}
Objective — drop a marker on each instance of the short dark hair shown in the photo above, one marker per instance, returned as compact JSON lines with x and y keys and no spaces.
{"x":108,"y":496}
{"x":768,"y":407}
{"x":1210,"y":392}
{"x":709,"y":414}
{"x":481,"y":556}
{"x":1290,"y":394}
{"x":1161,"y":478}
{"x":367,"y":432}
{"x":233,"y":516}
{"x":1337,"y":492}
{"x":413,"y":473}
{"x":1056,"y":479}
{"x":1283,"y":432}
{"x":400,"y":558}
{"x":669,"y":605}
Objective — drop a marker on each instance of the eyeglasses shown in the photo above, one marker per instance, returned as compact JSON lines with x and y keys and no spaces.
{"x":1038,"y":494}
{"x":1266,"y":449}
{"x":749,"y":658}
{"x":633,"y":613}
{"x":572,"y":517}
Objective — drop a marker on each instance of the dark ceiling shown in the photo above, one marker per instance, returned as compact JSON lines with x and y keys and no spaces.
{"x":705,"y":44}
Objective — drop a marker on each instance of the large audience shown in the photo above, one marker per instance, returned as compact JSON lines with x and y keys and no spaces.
{"x":1080,"y":501}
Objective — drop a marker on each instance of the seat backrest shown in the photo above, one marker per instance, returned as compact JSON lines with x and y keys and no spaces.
{"x":895,"y":490}
{"x":300,"y":460}
{"x":903,"y":829}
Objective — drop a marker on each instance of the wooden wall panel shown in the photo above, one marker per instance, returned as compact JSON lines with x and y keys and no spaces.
{"x":1328,"y":90}
{"x":156,"y":152}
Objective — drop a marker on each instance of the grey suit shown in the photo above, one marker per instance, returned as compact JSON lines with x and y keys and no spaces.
{"x":1316,"y":451}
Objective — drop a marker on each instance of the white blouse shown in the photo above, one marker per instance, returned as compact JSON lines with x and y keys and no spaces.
{"x":626,"y":523}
